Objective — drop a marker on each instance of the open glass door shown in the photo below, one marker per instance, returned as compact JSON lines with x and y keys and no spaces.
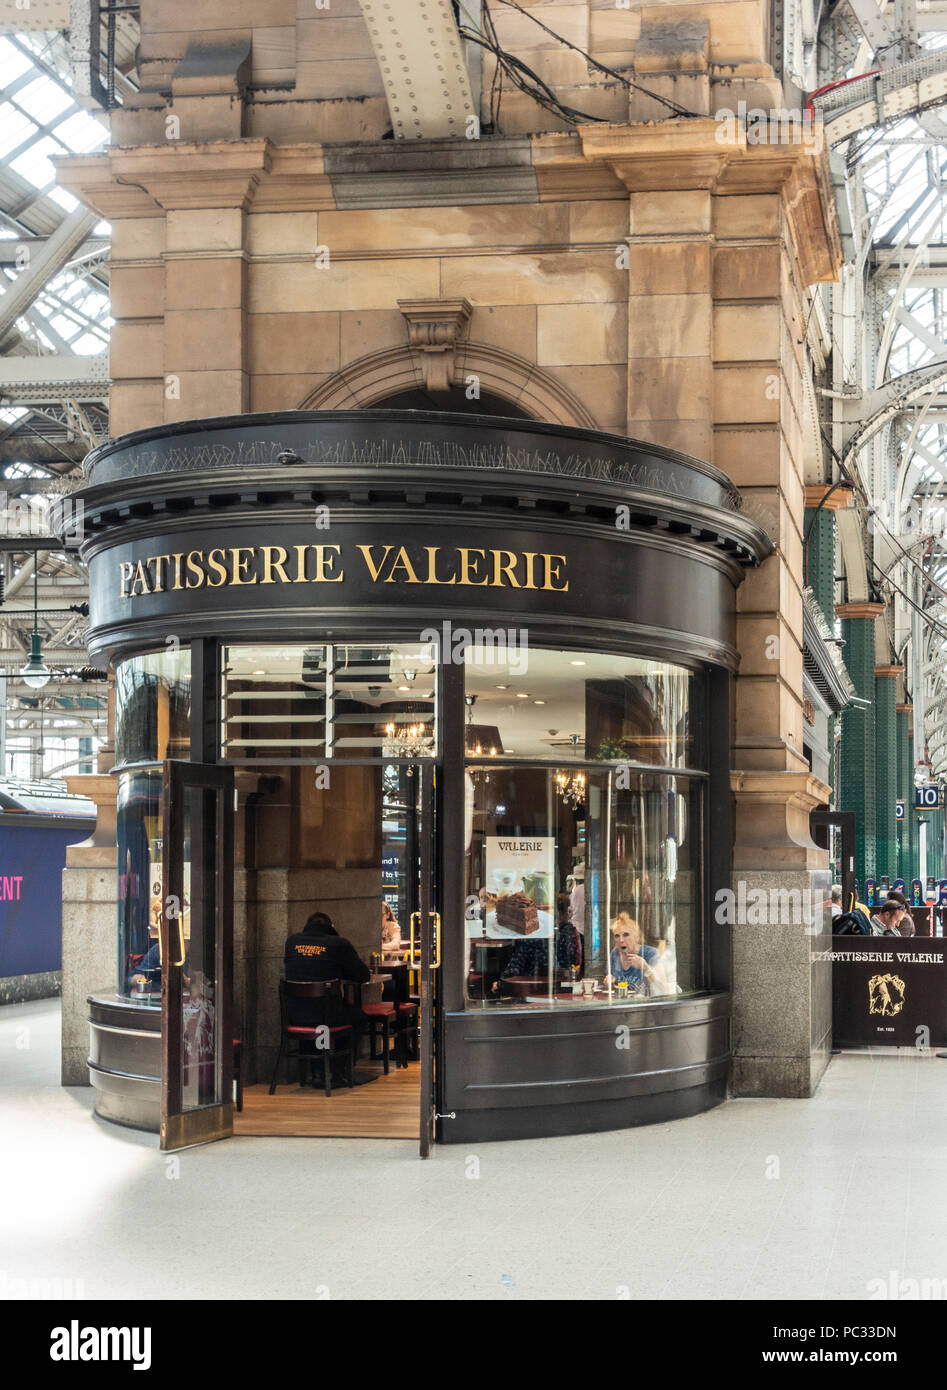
{"x":426,"y":947}
{"x":196,"y":930}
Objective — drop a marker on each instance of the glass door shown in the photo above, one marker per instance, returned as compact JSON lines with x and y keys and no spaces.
{"x":196,"y":938}
{"x":426,"y":945}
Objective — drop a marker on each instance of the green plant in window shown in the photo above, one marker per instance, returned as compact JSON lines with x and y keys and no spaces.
{"x":611,"y":750}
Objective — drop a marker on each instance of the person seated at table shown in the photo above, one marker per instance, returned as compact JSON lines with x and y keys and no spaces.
{"x":566,"y":926}
{"x":390,"y":929}
{"x":905,"y":923}
{"x":885,"y":919}
{"x":632,"y":962}
{"x":530,"y":958}
{"x":147,"y":971}
{"x":319,"y":953}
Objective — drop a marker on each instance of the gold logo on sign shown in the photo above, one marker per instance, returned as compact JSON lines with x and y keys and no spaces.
{"x":886,"y":995}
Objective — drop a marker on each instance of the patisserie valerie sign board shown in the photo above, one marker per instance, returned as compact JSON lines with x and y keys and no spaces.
{"x":520,"y":885}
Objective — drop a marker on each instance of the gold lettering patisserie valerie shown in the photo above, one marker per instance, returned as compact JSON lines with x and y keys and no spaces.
{"x":245,"y":565}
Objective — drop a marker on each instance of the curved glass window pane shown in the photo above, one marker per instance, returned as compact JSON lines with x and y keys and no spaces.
{"x":545,"y":705}
{"x":153,"y":707}
{"x":586,"y":890}
{"x":139,"y":884}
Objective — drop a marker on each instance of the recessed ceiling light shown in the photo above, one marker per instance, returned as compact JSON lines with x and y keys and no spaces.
{"x":501,"y":687}
{"x":404,"y":687}
{"x":576,"y":663}
{"x":522,"y":695}
{"x":259,"y":673}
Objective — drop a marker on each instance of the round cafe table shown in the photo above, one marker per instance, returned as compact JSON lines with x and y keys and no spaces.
{"x":517,"y":986}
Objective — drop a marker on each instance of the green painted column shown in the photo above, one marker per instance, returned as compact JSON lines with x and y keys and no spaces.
{"x":858,"y":791}
{"x":910,"y":813}
{"x":935,"y":844}
{"x":886,"y":770}
{"x":905,"y":792}
{"x":819,"y":526}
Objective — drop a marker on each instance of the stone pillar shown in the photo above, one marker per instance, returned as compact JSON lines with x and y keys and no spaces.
{"x":180,"y":254}
{"x":724,"y":236}
{"x":858,"y":732}
{"x":670,"y":306}
{"x":89,"y":924}
{"x":886,"y":770}
{"x":205,"y":338}
{"x":136,"y":350}
{"x":781,"y":988}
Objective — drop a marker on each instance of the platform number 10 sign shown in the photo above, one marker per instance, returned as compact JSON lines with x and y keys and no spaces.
{"x":927,"y":797}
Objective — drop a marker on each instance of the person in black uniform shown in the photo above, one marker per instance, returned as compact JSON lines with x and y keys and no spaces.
{"x":319,"y":953}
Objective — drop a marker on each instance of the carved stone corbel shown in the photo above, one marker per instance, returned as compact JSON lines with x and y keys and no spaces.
{"x":435,"y":327}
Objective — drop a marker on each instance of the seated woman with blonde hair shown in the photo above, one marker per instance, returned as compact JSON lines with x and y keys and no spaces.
{"x":632,"y":962}
{"x":390,"y":930}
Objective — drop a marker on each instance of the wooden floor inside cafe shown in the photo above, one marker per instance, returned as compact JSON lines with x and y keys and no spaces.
{"x":385,"y":1108}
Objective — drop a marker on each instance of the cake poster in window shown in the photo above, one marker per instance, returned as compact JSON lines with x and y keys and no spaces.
{"x":520,"y":885}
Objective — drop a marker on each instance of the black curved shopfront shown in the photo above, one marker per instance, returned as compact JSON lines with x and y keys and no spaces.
{"x":377,"y":527}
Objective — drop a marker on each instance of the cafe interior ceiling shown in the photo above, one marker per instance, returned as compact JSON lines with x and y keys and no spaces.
{"x":533,"y":699}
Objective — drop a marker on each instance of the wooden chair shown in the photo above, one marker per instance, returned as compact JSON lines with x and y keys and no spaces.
{"x":400,"y":1013}
{"x":337,"y":1036}
{"x":380,"y":1019}
{"x":406,"y":1031}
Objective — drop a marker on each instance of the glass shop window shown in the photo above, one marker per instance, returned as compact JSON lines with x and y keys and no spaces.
{"x":581,"y":886}
{"x":330,"y":701}
{"x":544,"y":705}
{"x":152,"y":722}
{"x":139,"y":884}
{"x":583,"y":844}
{"x":153,"y":707}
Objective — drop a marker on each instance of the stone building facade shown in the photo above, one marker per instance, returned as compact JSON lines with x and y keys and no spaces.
{"x":301,"y":219}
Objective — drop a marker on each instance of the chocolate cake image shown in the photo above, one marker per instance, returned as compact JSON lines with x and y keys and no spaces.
{"x":518,"y":913}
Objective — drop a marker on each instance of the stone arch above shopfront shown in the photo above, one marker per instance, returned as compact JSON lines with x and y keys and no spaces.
{"x":379,"y":376}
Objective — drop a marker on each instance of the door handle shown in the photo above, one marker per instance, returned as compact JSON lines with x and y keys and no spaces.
{"x":181,"y":950}
{"x":180,"y":924}
{"x":437,"y":940}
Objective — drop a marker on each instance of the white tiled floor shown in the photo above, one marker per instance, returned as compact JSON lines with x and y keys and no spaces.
{"x":758,"y":1199}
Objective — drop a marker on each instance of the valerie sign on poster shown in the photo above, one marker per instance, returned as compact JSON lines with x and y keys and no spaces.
{"x":520,"y":885}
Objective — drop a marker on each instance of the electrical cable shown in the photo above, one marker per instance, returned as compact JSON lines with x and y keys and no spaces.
{"x":925,"y":617}
{"x":906,"y":554}
{"x":526,"y":80}
{"x":610,"y":72}
{"x":869,"y":510}
{"x":496,"y":86}
{"x":522,"y":76}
